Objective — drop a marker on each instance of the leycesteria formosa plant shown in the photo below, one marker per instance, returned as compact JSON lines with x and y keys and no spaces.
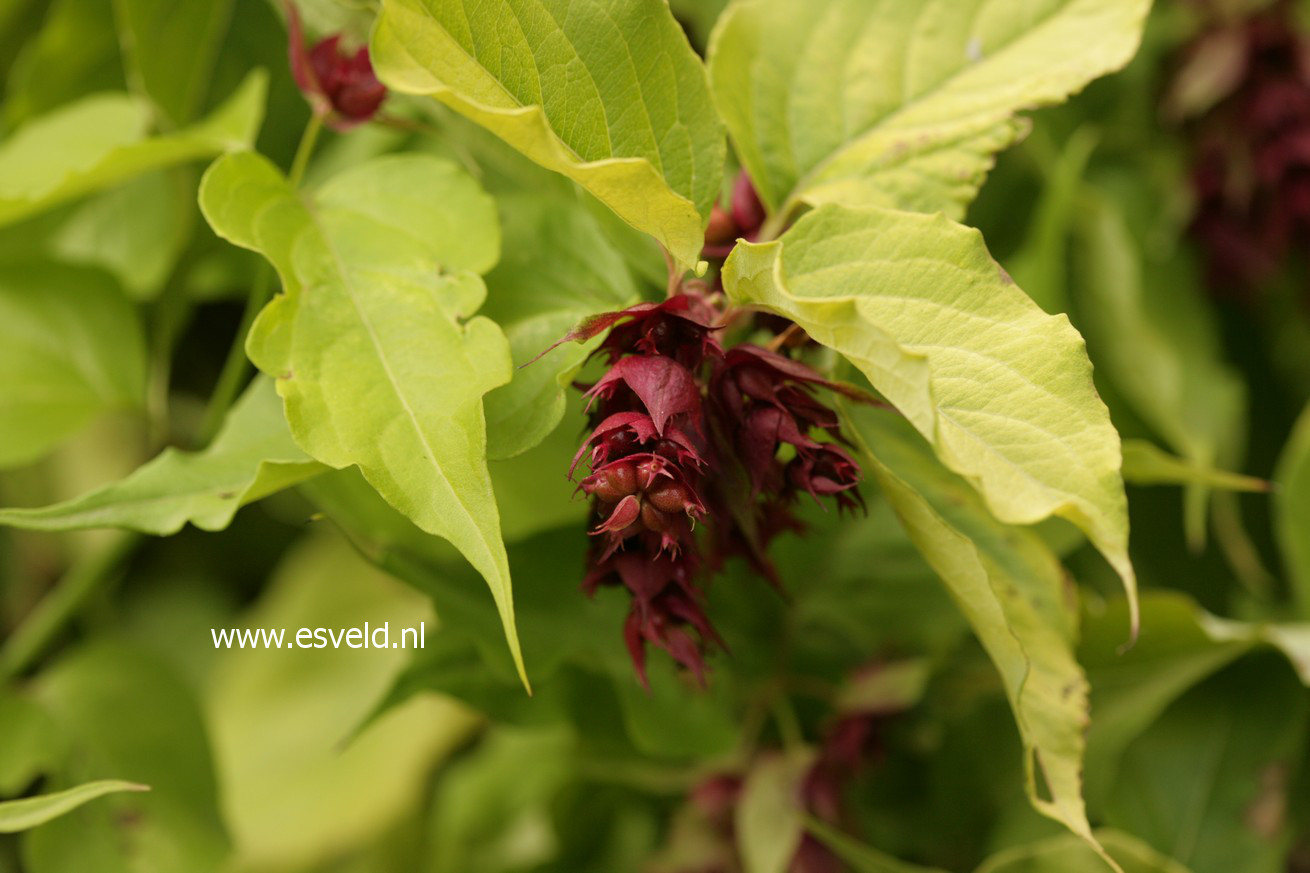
{"x":674,"y":303}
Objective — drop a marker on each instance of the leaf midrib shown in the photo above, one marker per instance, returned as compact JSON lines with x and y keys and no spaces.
{"x":351,"y":294}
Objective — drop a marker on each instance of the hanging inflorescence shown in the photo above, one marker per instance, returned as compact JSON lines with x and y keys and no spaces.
{"x":696,"y":453}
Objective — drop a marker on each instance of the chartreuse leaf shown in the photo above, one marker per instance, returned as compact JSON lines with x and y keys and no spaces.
{"x":1001,"y":390}
{"x":607,"y":92}
{"x":376,"y":353}
{"x":102,"y":139}
{"x":1292,"y":503}
{"x":252,"y":457}
{"x":170,"y":49}
{"x":1011,"y":589}
{"x":71,"y":348}
{"x":25,"y":814}
{"x":558,"y":268}
{"x":882,"y":102}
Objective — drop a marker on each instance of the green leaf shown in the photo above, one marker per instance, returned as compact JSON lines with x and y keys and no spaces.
{"x":493,"y":808}
{"x":769,"y":817}
{"x":170,"y":49}
{"x":30,"y":744}
{"x":1292,"y":507}
{"x":102,"y":140}
{"x":900,"y":104}
{"x":383,"y":365}
{"x":136,"y":231}
{"x":1001,"y":390}
{"x":1153,"y":335}
{"x":253,"y":456}
{"x":1130,"y":689}
{"x":1068,"y":854}
{"x":1147,"y":464}
{"x":1012,"y":590}
{"x":71,"y":348}
{"x":46,"y":74}
{"x":607,"y":92}
{"x":21,"y":815}
{"x":128,"y":715}
{"x":558,"y":268}
{"x":1208,"y":783}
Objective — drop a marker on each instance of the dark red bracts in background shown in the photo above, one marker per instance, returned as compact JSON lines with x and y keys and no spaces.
{"x":1251,"y":164}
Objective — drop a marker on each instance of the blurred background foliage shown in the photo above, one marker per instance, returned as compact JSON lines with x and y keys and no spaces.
{"x":117,"y":309}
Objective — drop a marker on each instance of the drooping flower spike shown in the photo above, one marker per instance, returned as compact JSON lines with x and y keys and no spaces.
{"x":685,"y":437}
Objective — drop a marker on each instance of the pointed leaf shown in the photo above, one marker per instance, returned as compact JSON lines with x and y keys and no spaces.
{"x":21,"y":815}
{"x":1011,"y":589}
{"x":900,"y":104}
{"x":101,"y":140}
{"x":607,"y":92}
{"x":1001,"y":390}
{"x":253,"y":456}
{"x":71,"y":347}
{"x":376,"y":353}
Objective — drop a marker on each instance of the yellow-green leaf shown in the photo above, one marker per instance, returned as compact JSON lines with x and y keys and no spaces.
{"x":252,"y":457}
{"x":377,"y":353}
{"x":21,"y":815}
{"x":71,"y":348}
{"x":1001,"y":390}
{"x":607,"y":92}
{"x":1012,"y":590}
{"x":101,"y":140}
{"x":894,"y":103}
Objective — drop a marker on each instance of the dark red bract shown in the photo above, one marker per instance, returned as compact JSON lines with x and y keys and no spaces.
{"x":685,"y":435}
{"x":340,"y":86}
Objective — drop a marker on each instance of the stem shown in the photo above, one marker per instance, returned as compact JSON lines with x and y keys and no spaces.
{"x":237,"y":367}
{"x":308,"y":140}
{"x":78,"y":583}
{"x":776,"y":223}
{"x":675,"y":275}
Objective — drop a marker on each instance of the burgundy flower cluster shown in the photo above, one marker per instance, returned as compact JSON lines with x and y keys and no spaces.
{"x":1251,"y":170}
{"x":340,"y":86}
{"x":687,"y":434}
